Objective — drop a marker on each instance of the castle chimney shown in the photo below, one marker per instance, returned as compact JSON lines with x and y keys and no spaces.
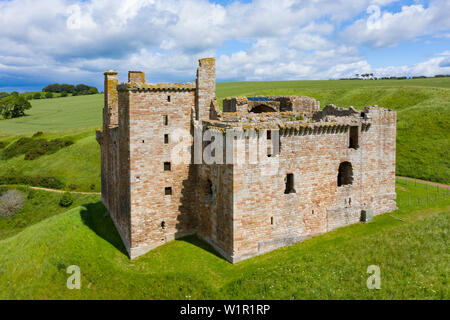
{"x":206,"y":87}
{"x":111,"y":117}
{"x":136,"y":77}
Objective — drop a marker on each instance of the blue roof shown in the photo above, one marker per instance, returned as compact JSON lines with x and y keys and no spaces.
{"x":258,"y":99}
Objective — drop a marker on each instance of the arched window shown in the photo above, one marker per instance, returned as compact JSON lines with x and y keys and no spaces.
{"x":345,"y":175}
{"x":262,"y":108}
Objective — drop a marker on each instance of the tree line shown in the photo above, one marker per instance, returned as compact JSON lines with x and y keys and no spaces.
{"x":79,"y":89}
{"x":370,"y":76}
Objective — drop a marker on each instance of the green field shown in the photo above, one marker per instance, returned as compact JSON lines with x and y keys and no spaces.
{"x":423,"y":127}
{"x":412,"y":254}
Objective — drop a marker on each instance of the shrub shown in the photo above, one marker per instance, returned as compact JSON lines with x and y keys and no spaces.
{"x":37,"y":95}
{"x":34,"y":148}
{"x":3,"y":144}
{"x":37,"y":181}
{"x":31,"y":194}
{"x":37,"y":134}
{"x":11,"y":202}
{"x":92,"y":187}
{"x":299,"y":117}
{"x":73,"y":186}
{"x":64,"y":94}
{"x":66,"y":200}
{"x":48,"y":95}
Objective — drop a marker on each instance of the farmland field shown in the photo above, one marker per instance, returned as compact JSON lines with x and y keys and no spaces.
{"x":423,"y":127}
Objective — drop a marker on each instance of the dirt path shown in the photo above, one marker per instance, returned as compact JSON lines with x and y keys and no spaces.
{"x":60,"y":191}
{"x":440,"y":185}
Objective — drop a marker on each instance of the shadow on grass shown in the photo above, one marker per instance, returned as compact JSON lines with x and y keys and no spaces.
{"x":93,"y":216}
{"x":198,"y":242}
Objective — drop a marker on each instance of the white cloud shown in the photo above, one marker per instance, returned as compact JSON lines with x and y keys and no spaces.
{"x":380,"y":29}
{"x":68,"y":40}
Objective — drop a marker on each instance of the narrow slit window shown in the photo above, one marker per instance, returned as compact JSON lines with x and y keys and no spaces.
{"x":166,"y":139}
{"x":168,"y":191}
{"x":289,"y":184}
{"x":168,"y":98}
{"x":271,"y":220}
{"x":353,"y":140}
{"x":166,"y":120}
{"x":269,"y":134}
{"x":167,"y":166}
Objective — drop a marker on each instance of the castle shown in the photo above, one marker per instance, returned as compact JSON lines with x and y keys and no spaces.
{"x":282,"y":170}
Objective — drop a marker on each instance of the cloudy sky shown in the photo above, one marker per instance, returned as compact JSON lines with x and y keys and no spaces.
{"x":72,"y":41}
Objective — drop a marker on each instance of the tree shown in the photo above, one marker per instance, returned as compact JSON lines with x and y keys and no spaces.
{"x":55,"y":87}
{"x":92,"y":90}
{"x":67,"y":88}
{"x":13,"y":106}
{"x":82,"y":88}
{"x":37,"y":95}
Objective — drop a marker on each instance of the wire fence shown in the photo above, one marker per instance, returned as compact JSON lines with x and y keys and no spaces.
{"x":424,"y":195}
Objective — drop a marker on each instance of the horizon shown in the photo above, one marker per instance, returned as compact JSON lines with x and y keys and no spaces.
{"x":66,"y":41}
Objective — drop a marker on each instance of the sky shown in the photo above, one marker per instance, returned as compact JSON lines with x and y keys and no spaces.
{"x":69,"y":41}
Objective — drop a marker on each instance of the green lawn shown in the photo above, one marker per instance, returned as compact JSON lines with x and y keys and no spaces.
{"x":412,"y":254}
{"x":423,"y":128}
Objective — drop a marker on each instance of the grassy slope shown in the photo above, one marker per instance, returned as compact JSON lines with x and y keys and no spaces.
{"x":412,"y":255}
{"x":59,"y":114}
{"x":39,"y":206}
{"x":423,"y":107}
{"x":77,"y":164}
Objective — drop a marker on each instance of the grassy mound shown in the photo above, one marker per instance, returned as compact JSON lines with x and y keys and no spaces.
{"x":38,"y":206}
{"x":411,"y":254}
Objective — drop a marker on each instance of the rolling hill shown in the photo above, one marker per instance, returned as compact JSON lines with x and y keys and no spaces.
{"x":409,"y":245}
{"x":423,"y":128}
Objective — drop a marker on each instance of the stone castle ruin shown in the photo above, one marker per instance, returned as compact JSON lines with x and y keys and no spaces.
{"x":284,"y":170}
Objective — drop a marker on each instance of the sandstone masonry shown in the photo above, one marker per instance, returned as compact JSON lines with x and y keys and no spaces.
{"x":322,"y":168}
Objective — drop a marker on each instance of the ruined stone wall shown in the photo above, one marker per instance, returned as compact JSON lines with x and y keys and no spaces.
{"x":265,"y":218}
{"x":206,"y":88}
{"x":157,"y":217}
{"x":214,"y":206}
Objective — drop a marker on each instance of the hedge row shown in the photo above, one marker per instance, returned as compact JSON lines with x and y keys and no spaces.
{"x":37,"y":181}
{"x":34,"y":148}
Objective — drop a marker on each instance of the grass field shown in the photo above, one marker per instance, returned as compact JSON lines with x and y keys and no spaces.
{"x":39,"y":206}
{"x":423,"y":128}
{"x":412,"y":254}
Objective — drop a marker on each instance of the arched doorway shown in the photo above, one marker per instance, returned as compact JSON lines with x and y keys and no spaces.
{"x":345,"y":175}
